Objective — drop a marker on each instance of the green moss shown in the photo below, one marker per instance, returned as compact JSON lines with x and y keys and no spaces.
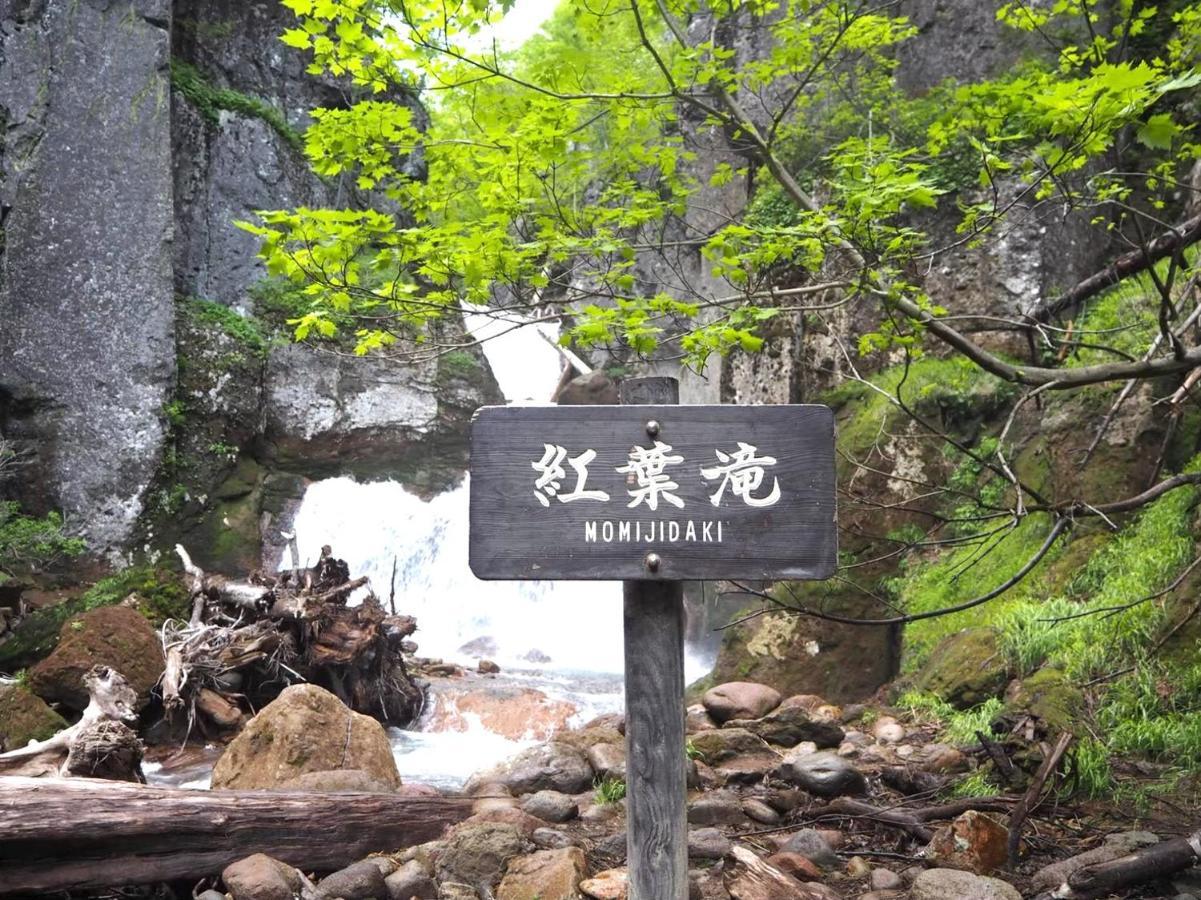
{"x":244,"y":329}
{"x":210,"y":100}
{"x":965,"y":669}
{"x":953,"y":392}
{"x":460,"y":363}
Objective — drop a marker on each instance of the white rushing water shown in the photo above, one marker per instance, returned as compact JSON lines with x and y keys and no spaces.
{"x":561,"y":638}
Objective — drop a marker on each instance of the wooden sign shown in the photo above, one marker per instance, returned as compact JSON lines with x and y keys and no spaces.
{"x":653,"y":492}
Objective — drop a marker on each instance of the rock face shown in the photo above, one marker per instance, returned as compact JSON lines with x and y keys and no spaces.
{"x":87,"y":356}
{"x":25,"y":718}
{"x":137,"y":132}
{"x":305,"y":729}
{"x":115,"y":636}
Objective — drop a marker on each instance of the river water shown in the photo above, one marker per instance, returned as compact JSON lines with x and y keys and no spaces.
{"x":563,"y":639}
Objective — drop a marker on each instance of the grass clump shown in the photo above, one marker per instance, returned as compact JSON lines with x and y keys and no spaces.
{"x":955,"y":726}
{"x":30,"y":543}
{"x":608,"y":791}
{"x":209,"y":100}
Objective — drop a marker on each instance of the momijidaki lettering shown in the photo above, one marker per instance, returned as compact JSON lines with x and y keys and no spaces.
{"x":661,"y":531}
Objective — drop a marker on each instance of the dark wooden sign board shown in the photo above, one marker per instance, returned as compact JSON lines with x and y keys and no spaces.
{"x":653,"y":493}
{"x":715,"y":492}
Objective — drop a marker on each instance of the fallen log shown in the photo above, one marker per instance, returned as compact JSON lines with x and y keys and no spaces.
{"x":82,"y":833}
{"x":1148,"y":864}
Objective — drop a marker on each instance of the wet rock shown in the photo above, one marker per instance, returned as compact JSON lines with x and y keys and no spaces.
{"x":259,"y":877}
{"x":361,"y":881}
{"x":608,"y":760}
{"x":487,"y":667}
{"x":1115,"y":846}
{"x":788,"y":726}
{"x":544,"y":875}
{"x":797,"y":865}
{"x":707,"y":843}
{"x":411,"y":880}
{"x":725,"y":743}
{"x":965,"y":669}
{"x":516,"y":712}
{"x":955,"y":884}
{"x":813,"y":846}
{"x":115,"y":636}
{"x":25,"y":718}
{"x":305,"y":729}
{"x":553,"y":766}
{"x":551,"y":806}
{"x":760,"y":812}
{"x":973,"y":841}
{"x":611,"y":884}
{"x":477,"y":853}
{"x":824,"y":774}
{"x":740,"y":700}
{"x":716,"y":808}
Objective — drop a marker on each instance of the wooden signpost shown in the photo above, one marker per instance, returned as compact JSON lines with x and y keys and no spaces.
{"x":655,"y":494}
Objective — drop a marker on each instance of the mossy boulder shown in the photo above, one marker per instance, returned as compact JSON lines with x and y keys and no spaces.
{"x":305,"y":729}
{"x":1049,"y":697}
{"x":119,"y":637}
{"x":965,"y":669}
{"x":25,"y":717}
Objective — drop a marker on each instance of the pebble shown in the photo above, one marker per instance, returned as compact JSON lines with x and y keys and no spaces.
{"x":888,"y":730}
{"x":551,"y":806}
{"x":858,"y":867}
{"x":811,"y":845}
{"x":886,"y":880}
{"x":760,"y":812}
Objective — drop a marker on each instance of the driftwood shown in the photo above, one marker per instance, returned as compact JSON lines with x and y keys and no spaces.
{"x":83,"y":833}
{"x":249,"y":639}
{"x":100,"y":743}
{"x":1150,"y":863}
{"x":1030,"y":799}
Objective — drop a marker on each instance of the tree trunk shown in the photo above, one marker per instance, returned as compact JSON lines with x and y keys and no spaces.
{"x":82,"y":834}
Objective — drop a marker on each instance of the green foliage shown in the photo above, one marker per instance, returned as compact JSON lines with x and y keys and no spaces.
{"x":978,"y":784}
{"x":210,"y":100}
{"x":956,"y":726}
{"x":460,"y":363}
{"x":608,"y":791}
{"x":30,"y":543}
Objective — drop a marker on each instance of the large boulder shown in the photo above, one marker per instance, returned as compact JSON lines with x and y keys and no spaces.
{"x":115,"y":636}
{"x":965,"y":669}
{"x":740,"y":700}
{"x":553,"y":766}
{"x":24,"y":718}
{"x":305,"y":729}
